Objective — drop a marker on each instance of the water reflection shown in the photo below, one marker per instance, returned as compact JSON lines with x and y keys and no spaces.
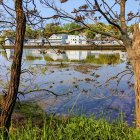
{"x":95,"y":57}
{"x":83,"y":80}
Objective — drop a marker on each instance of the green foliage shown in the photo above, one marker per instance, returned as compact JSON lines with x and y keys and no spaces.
{"x":31,"y":33}
{"x":101,"y":59}
{"x":71,"y":26}
{"x":74,"y":128}
{"x":33,"y":58}
{"x":38,"y":126}
{"x":131,"y":28}
{"x":8,"y":33}
{"x":112,"y":29}
{"x":2,"y":38}
{"x":29,"y":110}
{"x":104,"y":59}
{"x":100,"y":27}
{"x":90,"y":34}
{"x":52,"y":29}
{"x":48,"y":58}
{"x":3,"y":53}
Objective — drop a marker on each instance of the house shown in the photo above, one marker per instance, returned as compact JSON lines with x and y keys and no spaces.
{"x":31,"y":42}
{"x":104,"y":41}
{"x":58,"y":39}
{"x":77,"y":40}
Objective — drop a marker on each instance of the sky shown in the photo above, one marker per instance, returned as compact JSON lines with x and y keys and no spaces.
{"x":132,"y":5}
{"x":68,"y":6}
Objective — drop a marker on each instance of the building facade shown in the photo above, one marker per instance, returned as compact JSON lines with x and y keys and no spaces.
{"x":76,"y":40}
{"x":58,"y":39}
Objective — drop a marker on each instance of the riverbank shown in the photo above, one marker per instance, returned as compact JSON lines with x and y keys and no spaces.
{"x":75,"y":47}
{"x":68,"y":128}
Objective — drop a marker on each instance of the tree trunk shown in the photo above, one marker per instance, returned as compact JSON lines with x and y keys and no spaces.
{"x":10,"y":99}
{"x":134,"y":56}
{"x":136,"y":65}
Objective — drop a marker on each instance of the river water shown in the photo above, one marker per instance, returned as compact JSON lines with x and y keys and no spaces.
{"x":86,"y":82}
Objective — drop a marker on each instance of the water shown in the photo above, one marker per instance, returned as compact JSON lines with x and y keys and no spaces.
{"x":84,"y":80}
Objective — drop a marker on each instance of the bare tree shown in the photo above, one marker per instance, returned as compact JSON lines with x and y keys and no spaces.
{"x":22,"y":13}
{"x":97,"y":10}
{"x":16,"y":17}
{"x":9,"y":99}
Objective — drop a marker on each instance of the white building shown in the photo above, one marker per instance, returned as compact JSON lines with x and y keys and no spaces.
{"x":39,"y":41}
{"x":77,"y":40}
{"x":58,"y":39}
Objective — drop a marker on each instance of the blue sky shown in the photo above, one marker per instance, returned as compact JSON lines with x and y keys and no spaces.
{"x":132,"y":5}
{"x":68,"y":6}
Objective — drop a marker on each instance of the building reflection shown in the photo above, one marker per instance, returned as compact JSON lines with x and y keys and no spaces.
{"x":69,"y":55}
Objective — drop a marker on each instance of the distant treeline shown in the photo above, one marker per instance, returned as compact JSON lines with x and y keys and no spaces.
{"x":69,"y":28}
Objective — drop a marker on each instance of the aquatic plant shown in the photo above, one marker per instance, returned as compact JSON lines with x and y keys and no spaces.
{"x":32,"y":58}
{"x":104,"y":59}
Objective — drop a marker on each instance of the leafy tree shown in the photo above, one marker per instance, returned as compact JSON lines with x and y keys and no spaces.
{"x":52,"y":29}
{"x":71,"y":26}
{"x":29,"y":32}
{"x":32,"y":33}
{"x":90,"y":34}
{"x":8,"y":33}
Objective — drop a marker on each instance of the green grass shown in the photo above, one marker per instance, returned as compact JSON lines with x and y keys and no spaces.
{"x":104,"y":59}
{"x":42,"y":127}
{"x":29,"y":110}
{"x":33,"y":58}
{"x":47,"y":58}
{"x":74,"y":128}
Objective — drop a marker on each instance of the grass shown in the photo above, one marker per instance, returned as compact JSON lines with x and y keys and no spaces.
{"x":38,"y":126}
{"x":47,"y":58}
{"x":74,"y":128}
{"x":33,"y":58}
{"x":104,"y":59}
